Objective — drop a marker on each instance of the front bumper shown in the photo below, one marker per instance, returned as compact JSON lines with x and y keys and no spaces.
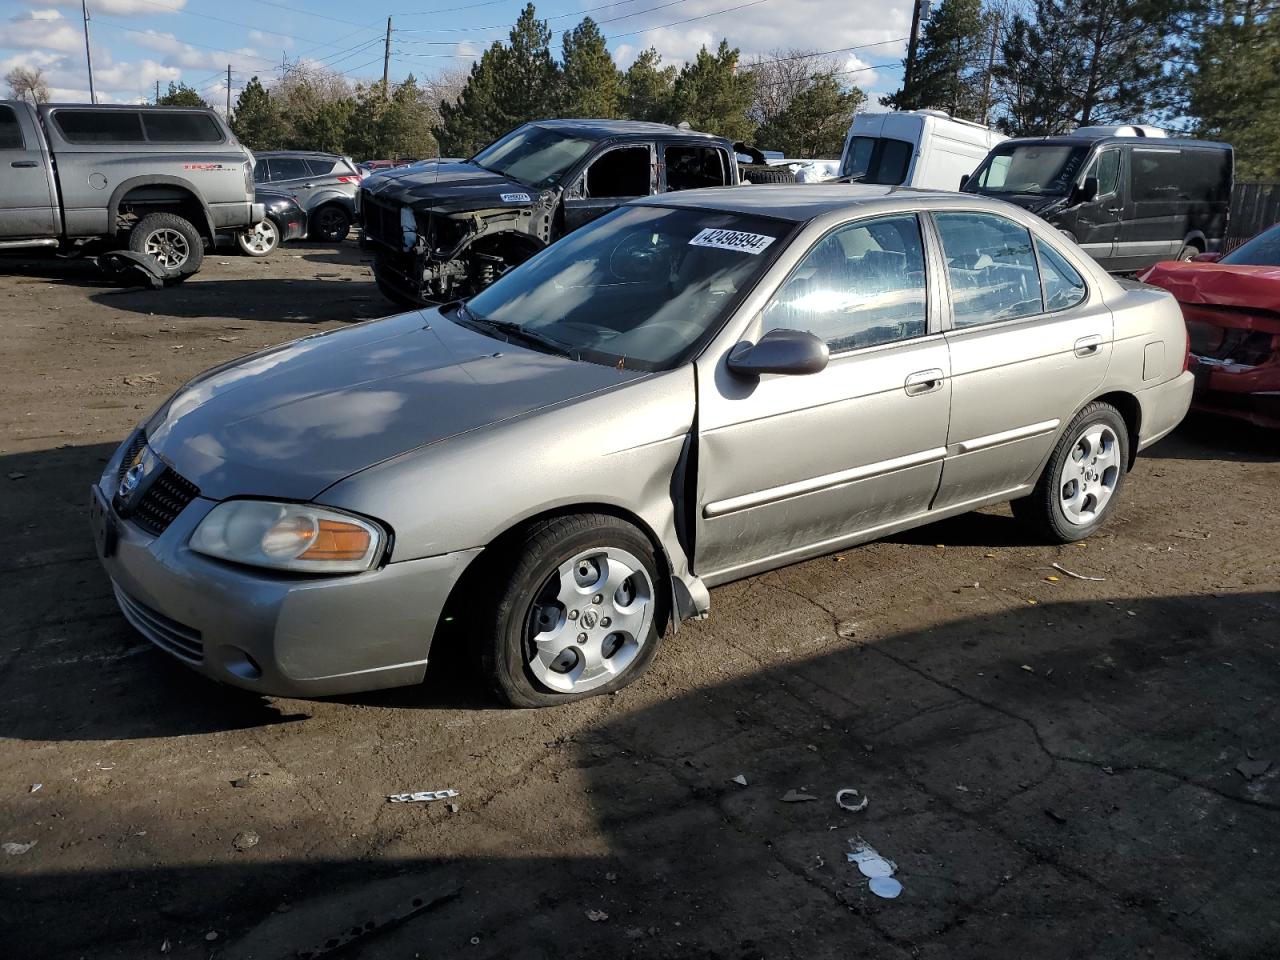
{"x":271,"y":633}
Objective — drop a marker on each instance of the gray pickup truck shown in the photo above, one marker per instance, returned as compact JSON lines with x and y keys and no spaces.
{"x":160,"y":182}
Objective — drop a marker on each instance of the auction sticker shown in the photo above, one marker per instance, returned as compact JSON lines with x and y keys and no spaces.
{"x":516,"y":198}
{"x":752,"y":243}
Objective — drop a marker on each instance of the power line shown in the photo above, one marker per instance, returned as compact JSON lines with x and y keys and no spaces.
{"x":238,"y":23}
{"x":508,"y":26}
{"x":705,"y":16}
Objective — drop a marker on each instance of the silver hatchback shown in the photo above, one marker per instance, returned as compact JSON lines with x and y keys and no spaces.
{"x":693,"y":389}
{"x":324,"y":184}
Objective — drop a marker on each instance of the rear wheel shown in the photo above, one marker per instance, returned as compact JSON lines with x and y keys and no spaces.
{"x":1189,"y":252}
{"x":330,"y":224}
{"x":766,"y":174}
{"x":172,"y":241}
{"x":394,"y":295}
{"x":578,"y":612}
{"x":1078,"y":489}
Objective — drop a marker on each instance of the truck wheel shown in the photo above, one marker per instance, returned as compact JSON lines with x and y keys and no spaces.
{"x":330,"y":224}
{"x":170,"y":240}
{"x":766,"y":174}
{"x":395,"y":296}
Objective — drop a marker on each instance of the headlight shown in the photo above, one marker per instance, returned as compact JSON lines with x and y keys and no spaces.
{"x":288,"y":536}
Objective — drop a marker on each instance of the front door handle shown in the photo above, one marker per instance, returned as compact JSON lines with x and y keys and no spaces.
{"x":24,"y":163}
{"x":924,"y":381}
{"x":1088,"y":346}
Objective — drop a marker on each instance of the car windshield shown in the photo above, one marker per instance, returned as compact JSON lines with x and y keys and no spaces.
{"x":1046,"y":168}
{"x":536,"y":156}
{"x":877,"y":160}
{"x":1262,"y":251}
{"x":640,"y":288}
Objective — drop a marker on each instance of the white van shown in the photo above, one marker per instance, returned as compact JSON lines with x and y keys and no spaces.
{"x":914,"y":148}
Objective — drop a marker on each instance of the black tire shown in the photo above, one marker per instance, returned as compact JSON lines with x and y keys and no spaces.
{"x":1189,"y":252}
{"x":150,"y":231}
{"x":521,"y":574}
{"x":260,"y":240}
{"x":766,"y":174}
{"x":1042,"y":511}
{"x":329,"y":224}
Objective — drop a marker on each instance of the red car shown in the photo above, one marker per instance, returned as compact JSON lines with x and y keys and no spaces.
{"x":1232,"y":308}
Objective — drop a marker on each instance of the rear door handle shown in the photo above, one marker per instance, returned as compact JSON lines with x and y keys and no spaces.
{"x":1088,"y":346}
{"x":924,"y":381}
{"x":24,"y":163}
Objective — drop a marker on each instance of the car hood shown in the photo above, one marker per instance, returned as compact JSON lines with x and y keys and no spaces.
{"x":1033,"y":202}
{"x":1224,"y":284}
{"x":291,"y":421}
{"x":450,"y":184}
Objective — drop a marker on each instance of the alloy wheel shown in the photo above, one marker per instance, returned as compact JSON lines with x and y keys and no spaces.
{"x":168,"y":247}
{"x":1089,"y":475}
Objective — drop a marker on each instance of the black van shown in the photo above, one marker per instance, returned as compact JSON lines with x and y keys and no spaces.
{"x":1129,"y":201}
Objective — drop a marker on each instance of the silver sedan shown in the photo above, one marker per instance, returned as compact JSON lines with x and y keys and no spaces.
{"x":691,"y":390}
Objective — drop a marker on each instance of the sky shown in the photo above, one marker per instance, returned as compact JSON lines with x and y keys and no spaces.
{"x":138,"y":42}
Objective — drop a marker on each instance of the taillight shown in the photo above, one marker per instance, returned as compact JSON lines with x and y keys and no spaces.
{"x":1186,"y":356}
{"x":348,"y":179}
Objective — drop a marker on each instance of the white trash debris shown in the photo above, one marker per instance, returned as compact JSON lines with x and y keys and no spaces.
{"x":18,"y":849}
{"x":422,"y":796}
{"x":846,"y":799}
{"x":36,"y":787}
{"x":886,"y":887}
{"x":740,"y":780}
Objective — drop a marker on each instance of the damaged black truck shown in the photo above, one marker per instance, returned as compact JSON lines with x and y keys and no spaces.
{"x":446,"y":229}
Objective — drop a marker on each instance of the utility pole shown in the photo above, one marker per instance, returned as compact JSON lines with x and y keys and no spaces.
{"x":911,"y":48}
{"x":991,"y":65}
{"x":228,"y":93}
{"x":386,"y":60}
{"x":157,"y":99}
{"x":88,"y":57}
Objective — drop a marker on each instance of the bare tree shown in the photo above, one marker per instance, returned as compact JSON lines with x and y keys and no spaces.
{"x":783,"y":74}
{"x":27,"y":83}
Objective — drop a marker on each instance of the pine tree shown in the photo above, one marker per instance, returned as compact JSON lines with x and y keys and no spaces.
{"x":949,"y":67}
{"x":469,"y":123}
{"x":815,"y":122}
{"x":255,"y":120}
{"x":1233,"y":87}
{"x":181,"y":95}
{"x":711,"y":95}
{"x":591,"y":84}
{"x":1080,"y":62}
{"x":647,"y":89}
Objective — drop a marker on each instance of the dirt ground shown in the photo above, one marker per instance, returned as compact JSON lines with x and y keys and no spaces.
{"x":1066,"y":768}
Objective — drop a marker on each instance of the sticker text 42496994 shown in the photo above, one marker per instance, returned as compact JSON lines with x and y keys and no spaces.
{"x":752,"y":243}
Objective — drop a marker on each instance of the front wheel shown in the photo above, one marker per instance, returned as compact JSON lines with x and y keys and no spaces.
{"x":260,"y":239}
{"x":578,"y":612}
{"x":1078,"y":489}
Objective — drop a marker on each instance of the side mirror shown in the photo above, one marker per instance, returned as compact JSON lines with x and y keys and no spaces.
{"x":1211,"y":257}
{"x":964,"y":180}
{"x":1088,"y":190}
{"x":780,"y":351}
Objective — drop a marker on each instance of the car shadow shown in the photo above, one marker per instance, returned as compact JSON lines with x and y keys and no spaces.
{"x":1009,"y":760}
{"x":991,"y":527}
{"x":288,"y":300}
{"x":1206,"y":436}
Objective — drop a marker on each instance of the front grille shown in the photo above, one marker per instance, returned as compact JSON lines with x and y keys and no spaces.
{"x":167,"y":497}
{"x":382,"y":222}
{"x":135,"y":447}
{"x":169,"y":635}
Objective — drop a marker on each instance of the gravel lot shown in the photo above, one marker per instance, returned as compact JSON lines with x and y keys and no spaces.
{"x":1053,"y":765}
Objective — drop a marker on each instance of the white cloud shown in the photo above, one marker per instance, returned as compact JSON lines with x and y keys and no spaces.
{"x":180,"y":54}
{"x":123,"y":8}
{"x":41,"y":29}
{"x":274,"y":39}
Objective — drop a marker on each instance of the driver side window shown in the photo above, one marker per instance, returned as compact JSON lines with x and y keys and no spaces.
{"x":861,"y":285}
{"x":619,"y":173}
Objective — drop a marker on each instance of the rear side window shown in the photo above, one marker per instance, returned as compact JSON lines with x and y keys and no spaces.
{"x":10,"y":131}
{"x":991,"y":266}
{"x":320,"y":168}
{"x":1169,"y":174}
{"x":1063,"y":286}
{"x":689,"y":168}
{"x":861,"y":285}
{"x":99,"y":126}
{"x":288,"y":168}
{"x":163,"y":126}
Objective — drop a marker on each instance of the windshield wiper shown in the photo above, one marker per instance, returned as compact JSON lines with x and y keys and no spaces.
{"x":515,"y":332}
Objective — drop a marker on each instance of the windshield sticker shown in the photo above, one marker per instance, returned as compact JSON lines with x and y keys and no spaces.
{"x":752,"y":243}
{"x":516,"y":198}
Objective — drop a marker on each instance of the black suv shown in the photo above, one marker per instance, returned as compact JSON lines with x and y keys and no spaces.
{"x":448,"y":228}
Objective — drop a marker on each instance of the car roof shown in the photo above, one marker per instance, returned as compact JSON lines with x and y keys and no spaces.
{"x":1068,"y":139}
{"x":619,"y":128}
{"x":801,"y":202}
{"x":297,"y":153}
